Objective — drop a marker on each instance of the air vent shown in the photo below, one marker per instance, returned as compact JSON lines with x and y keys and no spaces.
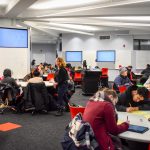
{"x":104,"y":37}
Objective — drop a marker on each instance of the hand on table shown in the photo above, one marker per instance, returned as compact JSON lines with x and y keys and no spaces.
{"x":130,"y":109}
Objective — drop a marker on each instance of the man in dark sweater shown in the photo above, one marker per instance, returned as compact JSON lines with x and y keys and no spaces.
{"x":135,"y":98}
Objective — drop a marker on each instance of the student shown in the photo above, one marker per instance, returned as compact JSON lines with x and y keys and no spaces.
{"x":146,"y":74}
{"x":61,"y":81}
{"x":121,"y":80}
{"x":131,"y":75}
{"x":11,"y":81}
{"x":147,"y":83}
{"x":101,"y":115}
{"x":135,"y":98}
{"x":36,"y":77}
{"x":29,"y":76}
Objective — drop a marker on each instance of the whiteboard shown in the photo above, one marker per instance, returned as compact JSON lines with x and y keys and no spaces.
{"x":123,"y":57}
{"x":16,"y":59}
{"x":39,"y":57}
{"x":142,"y":58}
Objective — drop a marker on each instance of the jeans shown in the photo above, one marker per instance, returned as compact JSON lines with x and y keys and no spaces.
{"x":62,"y":95}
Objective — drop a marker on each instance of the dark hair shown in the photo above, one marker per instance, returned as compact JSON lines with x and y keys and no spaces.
{"x":7,"y":73}
{"x":36,"y":73}
{"x":143,"y":92}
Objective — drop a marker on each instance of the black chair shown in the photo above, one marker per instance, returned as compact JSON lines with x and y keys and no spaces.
{"x":36,"y":98}
{"x":90,"y":81}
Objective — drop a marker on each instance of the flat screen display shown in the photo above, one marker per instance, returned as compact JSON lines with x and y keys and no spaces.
{"x":73,"y":56}
{"x":106,"y":56}
{"x":13,"y":38}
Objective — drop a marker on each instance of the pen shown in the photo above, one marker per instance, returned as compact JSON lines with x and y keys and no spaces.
{"x":130,"y":104}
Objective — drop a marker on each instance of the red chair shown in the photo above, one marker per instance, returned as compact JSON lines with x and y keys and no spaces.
{"x":50,"y":76}
{"x":104,"y":72}
{"x":75,"y":110}
{"x":77,"y":76}
{"x":149,"y":147}
{"x":122,"y":89}
{"x":104,"y":77}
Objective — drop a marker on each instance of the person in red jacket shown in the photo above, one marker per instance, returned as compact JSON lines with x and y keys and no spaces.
{"x":100,"y":113}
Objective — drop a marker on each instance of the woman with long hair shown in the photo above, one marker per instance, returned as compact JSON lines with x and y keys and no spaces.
{"x":61,"y":81}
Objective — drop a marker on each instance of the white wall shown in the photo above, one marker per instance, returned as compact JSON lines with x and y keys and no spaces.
{"x":90,"y":44}
{"x":40,"y":52}
{"x":16,"y":59}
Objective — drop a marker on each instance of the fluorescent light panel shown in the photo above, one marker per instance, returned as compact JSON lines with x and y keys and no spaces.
{"x":126,"y":18}
{"x":67,"y":30}
{"x":4,"y":2}
{"x":74,"y":26}
{"x":53,"y":4}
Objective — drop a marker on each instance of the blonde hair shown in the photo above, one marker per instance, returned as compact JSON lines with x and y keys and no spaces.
{"x":61,"y":61}
{"x":108,"y":91}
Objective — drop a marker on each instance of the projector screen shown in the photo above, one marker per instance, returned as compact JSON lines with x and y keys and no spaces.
{"x":106,"y":56}
{"x":73,"y":56}
{"x":13,"y":38}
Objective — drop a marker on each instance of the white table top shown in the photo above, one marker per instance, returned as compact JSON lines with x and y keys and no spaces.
{"x":136,"y":118}
{"x":24,"y":84}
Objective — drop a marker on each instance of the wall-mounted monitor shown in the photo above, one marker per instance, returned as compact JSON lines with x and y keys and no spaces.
{"x":106,"y":56}
{"x":73,"y":56}
{"x":13,"y":38}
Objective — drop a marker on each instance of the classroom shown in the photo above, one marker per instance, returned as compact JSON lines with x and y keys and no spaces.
{"x":74,"y":74}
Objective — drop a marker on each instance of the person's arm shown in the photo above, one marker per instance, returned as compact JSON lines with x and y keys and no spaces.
{"x":145,"y":105}
{"x":117,"y":81}
{"x":110,"y":120}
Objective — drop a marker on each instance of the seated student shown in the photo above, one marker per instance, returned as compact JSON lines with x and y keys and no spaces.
{"x":36,"y":78}
{"x":121,"y":80}
{"x":101,"y":115}
{"x":131,"y":75}
{"x":147,"y":83}
{"x":11,"y":81}
{"x":29,"y":76}
{"x":145,"y":73}
{"x":133,"y":99}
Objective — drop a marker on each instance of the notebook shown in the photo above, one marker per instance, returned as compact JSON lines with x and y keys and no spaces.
{"x":137,"y":129}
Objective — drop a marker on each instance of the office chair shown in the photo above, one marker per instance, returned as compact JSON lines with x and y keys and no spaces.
{"x":104,"y":78}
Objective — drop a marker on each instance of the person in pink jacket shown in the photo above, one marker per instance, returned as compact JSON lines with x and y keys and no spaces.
{"x":100,"y":113}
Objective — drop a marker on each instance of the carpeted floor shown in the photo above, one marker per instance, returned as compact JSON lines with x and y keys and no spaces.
{"x":39,"y":132}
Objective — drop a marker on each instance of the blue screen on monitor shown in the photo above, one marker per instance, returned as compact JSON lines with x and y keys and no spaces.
{"x":13,"y":38}
{"x":73,"y":56}
{"x":106,"y":56}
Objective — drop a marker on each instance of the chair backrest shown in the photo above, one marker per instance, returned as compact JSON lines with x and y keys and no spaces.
{"x":77,"y":75}
{"x":75,"y":110}
{"x":50,"y":76}
{"x":36,"y":95}
{"x":105,"y":71}
{"x":122,"y":88}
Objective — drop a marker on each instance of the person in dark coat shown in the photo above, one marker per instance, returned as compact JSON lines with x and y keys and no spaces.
{"x":61,"y":81}
{"x":145,"y":74}
{"x":122,"y":80}
{"x":11,"y":81}
{"x":133,"y":99}
{"x":101,"y":115}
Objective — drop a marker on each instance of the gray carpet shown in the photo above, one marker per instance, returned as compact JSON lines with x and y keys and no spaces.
{"x":39,"y":132}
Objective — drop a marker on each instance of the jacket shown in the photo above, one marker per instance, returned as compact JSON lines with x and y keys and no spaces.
{"x":79,"y":136}
{"x":125,"y":100}
{"x":121,"y":80}
{"x":36,"y":96}
{"x":61,"y":76}
{"x":102,"y":118}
